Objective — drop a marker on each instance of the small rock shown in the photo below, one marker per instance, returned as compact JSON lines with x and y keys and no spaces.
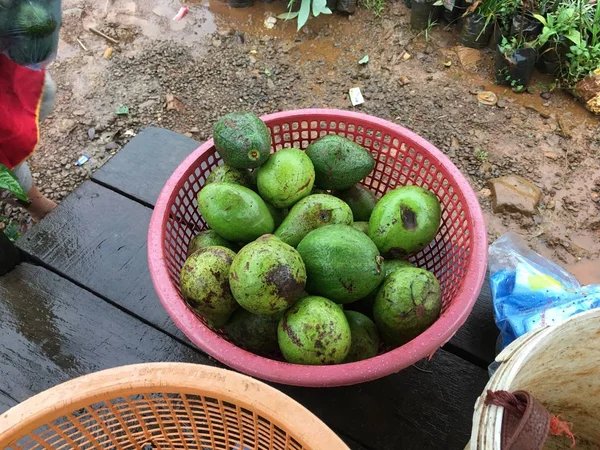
{"x":79,"y":112}
{"x":194,"y":130}
{"x":270,"y":84}
{"x":111,"y":146}
{"x":502,"y":104}
{"x":513,"y":193}
{"x":404,"y":80}
{"x":485,"y":193}
{"x":550,"y":155}
{"x":188,"y":135}
{"x":216,"y":43}
{"x":545,"y":95}
{"x":226,"y":31}
{"x":468,"y":57}
{"x":91,"y":133}
{"x":66,"y":125}
{"x":146,"y":104}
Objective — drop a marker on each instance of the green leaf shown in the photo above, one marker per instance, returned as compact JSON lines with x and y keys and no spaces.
{"x":122,"y":111}
{"x":326,"y":10}
{"x":540,"y":18}
{"x":364,"y":59}
{"x":439,"y":3}
{"x":304,"y":13}
{"x":574,"y":36}
{"x":317,"y":6}
{"x":288,"y":15}
{"x":8,"y":182}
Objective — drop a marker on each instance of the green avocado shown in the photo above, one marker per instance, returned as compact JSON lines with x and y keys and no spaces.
{"x":361,"y":201}
{"x":256,"y":333}
{"x":34,"y":20}
{"x":227,"y":174}
{"x":342,"y":263}
{"x":339,"y":163}
{"x":29,"y":51}
{"x":204,"y":284}
{"x":209,"y":238}
{"x":361,"y":226}
{"x":314,"y":331}
{"x":310,"y":213}
{"x":267,"y":276}
{"x":408,"y":303}
{"x":365,"y":337}
{"x":242,"y":140}
{"x":286,"y":177}
{"x":405,"y":221}
{"x":235,"y":212}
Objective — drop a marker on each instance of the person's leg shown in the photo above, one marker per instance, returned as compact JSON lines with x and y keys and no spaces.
{"x":39,"y":205}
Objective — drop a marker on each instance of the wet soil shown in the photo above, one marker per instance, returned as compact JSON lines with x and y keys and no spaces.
{"x":184,"y":75}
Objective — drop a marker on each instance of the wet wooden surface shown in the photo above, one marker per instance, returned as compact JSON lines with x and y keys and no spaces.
{"x":92,"y":305}
{"x":159,"y":152}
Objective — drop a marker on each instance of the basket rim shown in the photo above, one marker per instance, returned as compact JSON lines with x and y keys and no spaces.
{"x":425,"y":345}
{"x":193,"y":379}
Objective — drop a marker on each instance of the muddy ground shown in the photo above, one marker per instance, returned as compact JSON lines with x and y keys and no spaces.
{"x":184,"y":75}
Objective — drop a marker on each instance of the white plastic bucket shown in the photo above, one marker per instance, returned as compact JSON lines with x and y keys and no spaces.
{"x":560,"y":366}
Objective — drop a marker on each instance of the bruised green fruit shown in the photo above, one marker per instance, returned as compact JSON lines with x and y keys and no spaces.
{"x":235,"y":212}
{"x":363,"y":227}
{"x":339,"y":163}
{"x":391,"y":265}
{"x":209,"y":238}
{"x":314,"y":331}
{"x":242,"y":140}
{"x":34,"y":20}
{"x":342,"y":263}
{"x":405,"y":221}
{"x":365,"y":337}
{"x":257,"y":333}
{"x":204,"y":283}
{"x":277,"y":214}
{"x":227,"y":174}
{"x":361,"y":201}
{"x":286,"y":177}
{"x":30,"y":51}
{"x":407,"y":303}
{"x":365,"y":304}
{"x":267,"y":276}
{"x":310,"y":213}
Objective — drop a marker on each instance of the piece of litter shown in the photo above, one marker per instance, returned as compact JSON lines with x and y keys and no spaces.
{"x":253,"y":52}
{"x":268,"y":72}
{"x":122,"y":111}
{"x":82,"y":160}
{"x":448,"y":64}
{"x":364,"y":59}
{"x":108,"y":52}
{"x":406,"y":56}
{"x":129,"y":133}
{"x":270,"y":22}
{"x":182,"y":13}
{"x":356,"y":97}
{"x":487,"y":98}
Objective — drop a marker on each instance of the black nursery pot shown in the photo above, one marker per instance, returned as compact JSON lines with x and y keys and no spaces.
{"x":346,"y":6}
{"x":551,"y":56}
{"x":516,"y":69}
{"x":532,"y":27}
{"x":475,"y":33}
{"x":240,"y":3}
{"x":453,"y":16}
{"x":422,"y":12}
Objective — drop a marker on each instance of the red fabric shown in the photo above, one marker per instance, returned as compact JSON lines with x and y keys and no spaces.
{"x":21,"y":92}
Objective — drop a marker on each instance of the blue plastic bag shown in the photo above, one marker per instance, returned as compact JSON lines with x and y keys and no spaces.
{"x":530,"y":291}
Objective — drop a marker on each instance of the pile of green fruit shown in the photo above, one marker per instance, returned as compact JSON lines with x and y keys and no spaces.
{"x":293,"y":261}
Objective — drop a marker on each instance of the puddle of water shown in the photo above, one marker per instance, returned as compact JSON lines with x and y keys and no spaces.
{"x":586,"y":271}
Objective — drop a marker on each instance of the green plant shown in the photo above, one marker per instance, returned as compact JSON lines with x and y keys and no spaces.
{"x":8,"y":182}
{"x":317,"y":7}
{"x":376,"y":6}
{"x":481,"y":154}
{"x":430,"y":24}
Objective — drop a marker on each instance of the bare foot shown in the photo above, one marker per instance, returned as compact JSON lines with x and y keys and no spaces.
{"x":40,"y":205}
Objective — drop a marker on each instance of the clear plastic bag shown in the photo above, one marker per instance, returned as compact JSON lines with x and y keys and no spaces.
{"x":29,"y":31}
{"x":530,"y":291}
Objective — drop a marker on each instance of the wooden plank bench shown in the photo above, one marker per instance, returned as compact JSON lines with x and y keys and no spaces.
{"x":94,"y":295}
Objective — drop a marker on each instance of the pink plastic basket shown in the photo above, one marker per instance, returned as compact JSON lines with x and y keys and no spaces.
{"x":457,"y":256}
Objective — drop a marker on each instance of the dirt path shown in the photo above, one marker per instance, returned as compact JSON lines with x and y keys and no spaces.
{"x":184,"y":75}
